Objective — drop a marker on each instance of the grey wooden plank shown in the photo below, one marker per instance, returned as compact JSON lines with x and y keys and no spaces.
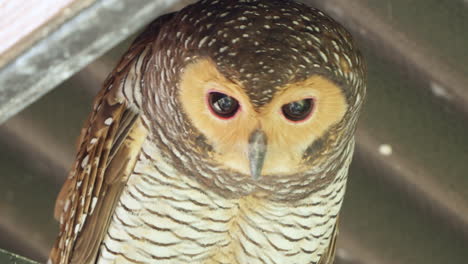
{"x":72,"y":46}
{"x":10,"y":258}
{"x":23,"y":22}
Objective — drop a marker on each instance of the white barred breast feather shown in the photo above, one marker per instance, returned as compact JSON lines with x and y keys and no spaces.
{"x":163,"y":218}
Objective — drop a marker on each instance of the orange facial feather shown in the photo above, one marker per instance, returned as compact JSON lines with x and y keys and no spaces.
{"x":286,"y":140}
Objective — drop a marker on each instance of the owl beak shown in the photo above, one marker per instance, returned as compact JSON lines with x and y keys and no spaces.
{"x":257,"y":151}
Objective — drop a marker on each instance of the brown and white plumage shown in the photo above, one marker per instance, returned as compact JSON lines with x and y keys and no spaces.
{"x":162,"y":177}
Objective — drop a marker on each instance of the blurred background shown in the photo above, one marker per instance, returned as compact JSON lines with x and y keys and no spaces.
{"x":407,"y":196}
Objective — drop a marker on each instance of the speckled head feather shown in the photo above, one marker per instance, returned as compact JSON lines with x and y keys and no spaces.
{"x":267,"y":44}
{"x":262,"y":45}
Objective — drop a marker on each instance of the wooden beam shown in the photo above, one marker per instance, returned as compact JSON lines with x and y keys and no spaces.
{"x":10,"y":258}
{"x":73,"y":36}
{"x":24,"y":21}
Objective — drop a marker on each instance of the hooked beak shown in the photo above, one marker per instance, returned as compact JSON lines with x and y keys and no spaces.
{"x":257,"y":151}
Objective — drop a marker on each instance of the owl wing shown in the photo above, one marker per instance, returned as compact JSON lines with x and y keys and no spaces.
{"x":329,"y":256}
{"x":108,"y":150}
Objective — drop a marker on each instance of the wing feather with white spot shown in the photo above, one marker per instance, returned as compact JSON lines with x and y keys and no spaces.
{"x":108,"y":151}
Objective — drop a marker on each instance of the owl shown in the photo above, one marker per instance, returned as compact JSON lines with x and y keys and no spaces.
{"x":224,"y":135}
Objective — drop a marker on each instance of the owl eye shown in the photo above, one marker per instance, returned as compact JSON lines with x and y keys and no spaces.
{"x":222,"y":105}
{"x":299,"y":110}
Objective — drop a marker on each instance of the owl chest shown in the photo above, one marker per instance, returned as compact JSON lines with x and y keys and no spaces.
{"x":163,"y":219}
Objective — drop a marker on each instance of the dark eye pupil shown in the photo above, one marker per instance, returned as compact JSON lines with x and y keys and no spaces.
{"x":223,"y":105}
{"x":298,"y":110}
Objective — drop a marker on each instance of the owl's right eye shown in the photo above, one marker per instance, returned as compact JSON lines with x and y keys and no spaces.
{"x":222,"y":105}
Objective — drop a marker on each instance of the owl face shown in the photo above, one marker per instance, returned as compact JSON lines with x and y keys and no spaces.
{"x":266,"y":140}
{"x":260,"y":91}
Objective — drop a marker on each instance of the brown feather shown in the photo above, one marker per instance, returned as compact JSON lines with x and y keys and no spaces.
{"x":116,"y":175}
{"x":329,"y":256}
{"x":108,"y":147}
{"x":107,"y":155}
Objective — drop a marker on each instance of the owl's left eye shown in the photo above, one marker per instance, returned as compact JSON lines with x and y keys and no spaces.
{"x":299,"y":110}
{"x":222,"y":105}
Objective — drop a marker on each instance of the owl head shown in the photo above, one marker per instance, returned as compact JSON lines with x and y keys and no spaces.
{"x":249,"y":94}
